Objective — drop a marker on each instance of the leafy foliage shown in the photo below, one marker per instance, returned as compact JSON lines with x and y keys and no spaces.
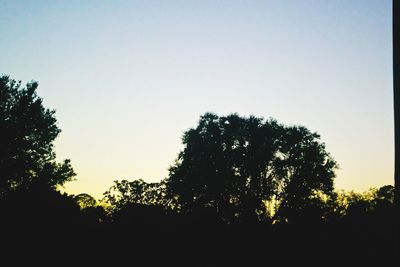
{"x":28,"y":130}
{"x":85,"y":200}
{"x":353,"y":204}
{"x":238,"y":170}
{"x":234,"y":164}
{"x":123,"y":193}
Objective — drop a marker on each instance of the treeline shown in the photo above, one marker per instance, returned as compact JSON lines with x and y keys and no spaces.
{"x":243,"y":190}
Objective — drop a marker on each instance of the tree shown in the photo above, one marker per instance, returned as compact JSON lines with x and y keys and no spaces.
{"x":91,"y":211}
{"x":28,"y":129}
{"x":124,"y":193}
{"x":305,"y":169}
{"x":138,"y":203}
{"x":85,"y":200}
{"x":374,"y":203}
{"x":234,"y":164}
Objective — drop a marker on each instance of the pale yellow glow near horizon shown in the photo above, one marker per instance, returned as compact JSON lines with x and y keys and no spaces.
{"x":361,"y":167}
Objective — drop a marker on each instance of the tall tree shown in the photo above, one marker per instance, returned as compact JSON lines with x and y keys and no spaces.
{"x":233,"y":164}
{"x":28,"y":130}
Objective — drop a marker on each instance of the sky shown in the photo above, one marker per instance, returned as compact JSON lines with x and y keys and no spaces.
{"x":127,"y":78}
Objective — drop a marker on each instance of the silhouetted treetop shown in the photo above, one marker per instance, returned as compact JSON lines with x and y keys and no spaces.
{"x":240,"y":188}
{"x":355,"y":204}
{"x":235,"y":165}
{"x":28,"y":130}
{"x":85,"y":200}
{"x":124,"y":193}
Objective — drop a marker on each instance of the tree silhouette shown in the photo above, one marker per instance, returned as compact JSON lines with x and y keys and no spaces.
{"x":373,"y":201}
{"x":28,"y":130}
{"x":305,"y":169}
{"x":137,"y":203}
{"x":123,"y":193}
{"x":92,"y":212}
{"x":85,"y":200}
{"x":233,"y":164}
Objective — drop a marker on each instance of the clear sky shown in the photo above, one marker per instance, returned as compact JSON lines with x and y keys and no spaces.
{"x":127,"y":78}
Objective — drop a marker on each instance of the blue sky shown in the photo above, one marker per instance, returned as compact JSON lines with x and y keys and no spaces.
{"x":127,"y":78}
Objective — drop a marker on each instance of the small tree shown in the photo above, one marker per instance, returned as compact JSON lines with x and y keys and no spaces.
{"x":85,"y":201}
{"x":124,"y":193}
{"x":138,"y":203}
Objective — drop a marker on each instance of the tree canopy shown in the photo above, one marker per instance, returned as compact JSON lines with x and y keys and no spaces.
{"x":28,"y":130}
{"x":123,"y":193}
{"x":234,"y":165}
{"x":240,"y":186}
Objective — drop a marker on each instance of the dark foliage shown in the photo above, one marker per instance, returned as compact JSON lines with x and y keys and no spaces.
{"x":235,"y":165}
{"x":26,"y":144}
{"x":243,"y":192}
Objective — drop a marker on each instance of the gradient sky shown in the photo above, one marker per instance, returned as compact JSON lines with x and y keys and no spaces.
{"x":127,"y":78}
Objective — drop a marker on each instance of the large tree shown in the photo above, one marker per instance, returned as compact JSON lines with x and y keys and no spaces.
{"x":28,"y":130}
{"x":234,"y":165}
